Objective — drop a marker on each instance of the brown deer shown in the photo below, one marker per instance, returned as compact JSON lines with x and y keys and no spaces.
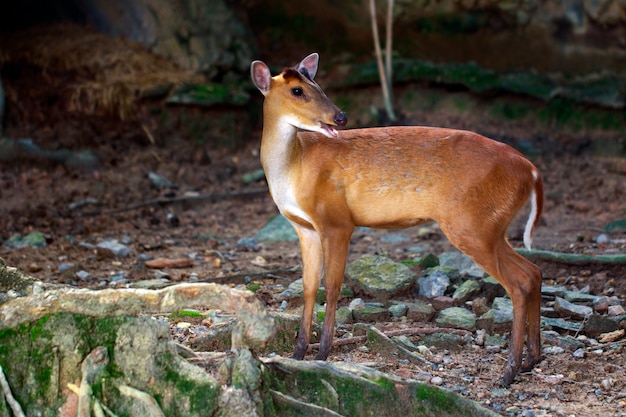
{"x":326,"y":182}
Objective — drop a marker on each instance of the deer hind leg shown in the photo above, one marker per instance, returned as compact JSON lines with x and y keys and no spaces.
{"x":522,"y":281}
{"x":312,"y":262}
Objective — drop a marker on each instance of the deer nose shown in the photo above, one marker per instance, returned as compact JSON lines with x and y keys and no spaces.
{"x":341,"y":119}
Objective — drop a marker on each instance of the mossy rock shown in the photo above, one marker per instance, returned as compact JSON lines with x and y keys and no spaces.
{"x":326,"y":389}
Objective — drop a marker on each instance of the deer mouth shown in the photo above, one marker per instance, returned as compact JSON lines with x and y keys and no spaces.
{"x":329,"y":130}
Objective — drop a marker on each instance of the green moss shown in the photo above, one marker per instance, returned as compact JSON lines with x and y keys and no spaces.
{"x":253,"y":287}
{"x":181,"y":314}
{"x":441,"y":401}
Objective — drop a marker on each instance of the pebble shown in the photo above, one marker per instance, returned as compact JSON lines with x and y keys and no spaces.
{"x":82,"y":274}
{"x":579,"y":353}
{"x":602,"y":239}
{"x":436,"y":380}
{"x":553,"y":350}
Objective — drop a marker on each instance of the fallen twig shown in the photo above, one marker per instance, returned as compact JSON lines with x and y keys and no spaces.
{"x":8,"y":395}
{"x":270,"y":273}
{"x":161,"y":263}
{"x":572,"y":258}
{"x":401,"y":332}
{"x":146,"y":399}
{"x":172,"y":200}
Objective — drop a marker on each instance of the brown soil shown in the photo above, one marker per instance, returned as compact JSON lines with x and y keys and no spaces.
{"x":584,"y":193}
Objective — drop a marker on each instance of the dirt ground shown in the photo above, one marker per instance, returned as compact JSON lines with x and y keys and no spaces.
{"x":78,"y":209}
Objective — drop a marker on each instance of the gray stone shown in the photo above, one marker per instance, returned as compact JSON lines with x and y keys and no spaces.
{"x":560,"y":324}
{"x":579,"y":297}
{"x":278,"y":229}
{"x":498,"y":321}
{"x":426,"y":261}
{"x":434,"y":285}
{"x":442,"y":302}
{"x":371,"y":314}
{"x":595,"y":325}
{"x":567,"y":309}
{"x":457,"y":317}
{"x":553,"y":291}
{"x":566,"y":342}
{"x":380,"y":277}
{"x":495,"y":340}
{"x":463,"y":263}
{"x":395,"y":238}
{"x":466,"y":290}
{"x":113,"y":247}
{"x":356,"y":303}
{"x":344,"y":316}
{"x":443,"y":341}
{"x":398,"y":310}
{"x":503,"y":303}
{"x":615,"y":310}
{"x":420,"y":311}
{"x":601,"y":304}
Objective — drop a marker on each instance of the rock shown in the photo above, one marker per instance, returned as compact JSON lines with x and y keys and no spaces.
{"x":479,"y":306}
{"x":495,"y":321}
{"x":371,"y":314}
{"x":553,"y":291}
{"x":617,"y":226}
{"x":379,"y":277}
{"x":463,"y":263}
{"x":442,"y":302}
{"x":434,"y":285}
{"x":466,"y":290}
{"x":601,"y":304}
{"x":398,"y":310}
{"x":579,"y":297}
{"x":566,"y":342}
{"x":33,"y":239}
{"x":575,"y":311}
{"x":443,"y":341}
{"x":278,"y":229}
{"x":344,"y":316}
{"x":420,"y":311}
{"x":503,"y":303}
{"x":296,"y":290}
{"x":427,"y":261}
{"x":495,"y":340}
{"x":159,"y":181}
{"x":595,"y":325}
{"x":457,"y":317}
{"x":611,"y":336}
{"x":560,"y":324}
{"x":356,"y":304}
{"x":248,"y":244}
{"x":615,"y":310}
{"x":112,"y":248}
{"x":395,"y":238}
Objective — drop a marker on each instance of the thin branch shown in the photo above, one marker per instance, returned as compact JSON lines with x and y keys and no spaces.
{"x":381,"y":69}
{"x":572,"y":258}
{"x":388,"y":48}
{"x":8,"y":395}
{"x":391,"y":333}
{"x":173,"y":200}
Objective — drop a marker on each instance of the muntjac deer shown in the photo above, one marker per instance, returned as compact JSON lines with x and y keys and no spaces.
{"x":326,"y":182}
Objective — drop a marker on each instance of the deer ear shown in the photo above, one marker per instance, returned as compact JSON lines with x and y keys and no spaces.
{"x":308,"y":66}
{"x":261,"y":76}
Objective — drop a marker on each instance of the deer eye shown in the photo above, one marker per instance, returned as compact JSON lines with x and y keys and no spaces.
{"x":297,"y":91}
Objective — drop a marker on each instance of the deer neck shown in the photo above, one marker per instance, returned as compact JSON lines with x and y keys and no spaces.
{"x":280,"y":149}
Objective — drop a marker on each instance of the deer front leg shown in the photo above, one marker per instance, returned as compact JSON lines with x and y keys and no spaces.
{"x":335,"y":247}
{"x":312,"y":261}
